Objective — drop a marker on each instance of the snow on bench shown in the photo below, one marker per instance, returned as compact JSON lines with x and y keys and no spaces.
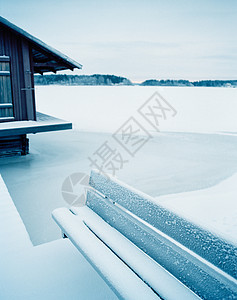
{"x":144,"y":251}
{"x":13,"y":234}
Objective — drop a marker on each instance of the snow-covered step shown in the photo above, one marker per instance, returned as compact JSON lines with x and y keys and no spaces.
{"x":51,"y":271}
{"x":13,"y":234}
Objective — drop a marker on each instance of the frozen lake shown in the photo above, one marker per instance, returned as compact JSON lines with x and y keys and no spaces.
{"x":193,"y":153}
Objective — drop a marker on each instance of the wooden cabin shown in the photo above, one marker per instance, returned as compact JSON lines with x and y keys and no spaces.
{"x":21,"y":56}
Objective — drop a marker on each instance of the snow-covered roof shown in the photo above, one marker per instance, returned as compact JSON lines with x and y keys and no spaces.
{"x":45,"y":58}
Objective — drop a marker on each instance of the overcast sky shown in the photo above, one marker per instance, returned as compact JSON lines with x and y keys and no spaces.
{"x":140,"y":40}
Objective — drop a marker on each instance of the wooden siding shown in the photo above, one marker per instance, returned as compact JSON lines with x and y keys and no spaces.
{"x":21,"y":66}
{"x":6,"y":107}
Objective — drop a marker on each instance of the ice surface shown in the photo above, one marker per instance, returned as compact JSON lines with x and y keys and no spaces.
{"x":172,"y":162}
{"x":106,"y":108}
{"x":177,"y":161}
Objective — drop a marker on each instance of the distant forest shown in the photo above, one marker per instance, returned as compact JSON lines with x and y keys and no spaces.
{"x":99,"y":79}
{"x":95,"y":79}
{"x":208,"y":83}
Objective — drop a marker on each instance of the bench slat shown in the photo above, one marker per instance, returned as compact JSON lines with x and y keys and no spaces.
{"x":189,"y":268}
{"x":159,"y":279}
{"x":114,"y":271}
{"x":202,"y":242}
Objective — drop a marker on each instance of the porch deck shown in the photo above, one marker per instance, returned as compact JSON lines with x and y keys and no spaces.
{"x":44,"y":123}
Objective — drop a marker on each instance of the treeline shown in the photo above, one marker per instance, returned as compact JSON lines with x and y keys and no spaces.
{"x":95,"y":79}
{"x":168,"y":82}
{"x":207,"y":83}
{"x":98,"y":79}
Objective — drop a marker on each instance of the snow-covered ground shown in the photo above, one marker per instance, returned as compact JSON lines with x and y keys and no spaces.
{"x":106,"y":108}
{"x":194,"y":153}
{"x":215,"y":207}
{"x":13,"y":234}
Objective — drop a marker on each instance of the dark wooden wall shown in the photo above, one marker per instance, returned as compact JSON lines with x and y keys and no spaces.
{"x":6,"y":107}
{"x":21,"y":68}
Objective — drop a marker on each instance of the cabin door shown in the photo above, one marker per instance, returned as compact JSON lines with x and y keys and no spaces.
{"x":6,"y":107}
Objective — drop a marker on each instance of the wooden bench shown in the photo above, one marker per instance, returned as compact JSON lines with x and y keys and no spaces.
{"x":144,"y":251}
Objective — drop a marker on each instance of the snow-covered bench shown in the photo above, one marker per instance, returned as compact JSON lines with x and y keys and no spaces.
{"x":144,"y":251}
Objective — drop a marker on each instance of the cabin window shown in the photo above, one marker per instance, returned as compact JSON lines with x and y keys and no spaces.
{"x":6,"y":107}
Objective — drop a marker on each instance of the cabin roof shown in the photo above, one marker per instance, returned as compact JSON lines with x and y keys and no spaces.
{"x":45,"y":58}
